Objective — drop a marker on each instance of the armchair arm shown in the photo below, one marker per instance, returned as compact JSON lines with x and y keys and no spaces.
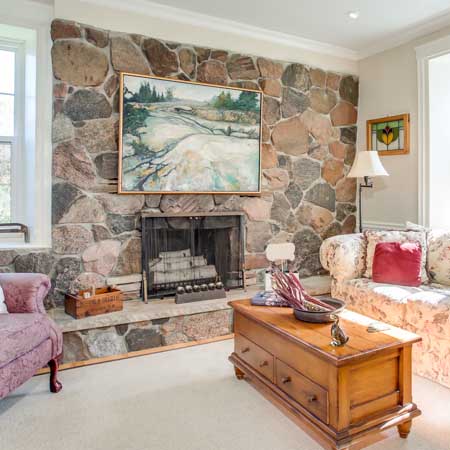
{"x":25,"y":292}
{"x":344,"y":256}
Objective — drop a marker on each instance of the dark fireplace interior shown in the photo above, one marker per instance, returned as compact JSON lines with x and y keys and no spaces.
{"x":192,"y":249}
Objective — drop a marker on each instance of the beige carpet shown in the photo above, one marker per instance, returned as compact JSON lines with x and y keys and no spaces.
{"x":180,"y":400}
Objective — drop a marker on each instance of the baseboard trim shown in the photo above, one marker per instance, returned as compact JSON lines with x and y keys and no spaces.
{"x":148,"y":351}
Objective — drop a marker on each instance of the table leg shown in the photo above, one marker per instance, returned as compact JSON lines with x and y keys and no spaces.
{"x":404,"y":429}
{"x":239,"y":374}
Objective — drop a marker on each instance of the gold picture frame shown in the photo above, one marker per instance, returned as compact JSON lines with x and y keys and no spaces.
{"x":389,"y":135}
{"x":123,"y":191}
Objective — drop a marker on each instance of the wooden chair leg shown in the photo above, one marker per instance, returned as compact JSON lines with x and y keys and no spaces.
{"x":55,"y":385}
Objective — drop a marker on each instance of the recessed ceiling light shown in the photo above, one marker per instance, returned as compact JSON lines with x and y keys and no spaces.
{"x":353,"y":14}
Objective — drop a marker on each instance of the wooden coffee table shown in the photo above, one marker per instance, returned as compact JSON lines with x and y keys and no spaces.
{"x":341,"y":394}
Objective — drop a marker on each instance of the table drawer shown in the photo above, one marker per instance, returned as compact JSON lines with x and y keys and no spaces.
{"x":254,"y":355}
{"x":310,"y":395}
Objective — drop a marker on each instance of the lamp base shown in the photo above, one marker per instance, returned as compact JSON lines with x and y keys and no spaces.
{"x":368,"y":183}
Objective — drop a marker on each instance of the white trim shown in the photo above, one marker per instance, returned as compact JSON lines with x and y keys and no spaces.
{"x":195,"y":19}
{"x":424,"y":53}
{"x":383,"y":225}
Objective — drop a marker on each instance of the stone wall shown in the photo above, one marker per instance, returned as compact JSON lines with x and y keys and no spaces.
{"x":308,"y":135}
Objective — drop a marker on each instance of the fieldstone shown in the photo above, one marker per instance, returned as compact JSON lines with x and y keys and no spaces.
{"x":350,"y":154}
{"x":62,"y":129}
{"x":284,"y":161}
{"x":242,"y":67}
{"x":127,"y":57}
{"x":63,"y":29}
{"x":106,"y":164}
{"x":188,"y":61}
{"x":271,"y":110}
{"x":275,"y":179}
{"x":186,"y":203}
{"x":256,"y":261}
{"x":99,"y":135}
{"x":101,"y":257}
{"x":257,"y":208}
{"x":66,"y":270}
{"x":293,"y":102}
{"x":122,"y":329}
{"x":348,"y":135}
{"x":343,"y":114}
{"x":220,"y":55}
{"x":212,"y":72}
{"x":333,"y":230}
{"x":87,"y":104}
{"x":317,"y":151}
{"x":258,"y":235}
{"x":228,"y":202}
{"x":332,"y":170}
{"x":322,"y":100}
{"x":349,"y":225}
{"x":343,"y":210}
{"x":100,"y":233}
{"x":119,"y":223}
{"x":315,"y":216}
{"x":36,"y":262}
{"x":294,"y":194}
{"x":280,"y":208}
{"x":86,"y":280}
{"x":337,"y":149}
{"x":72,"y":163}
{"x":318,"y":77}
{"x":202,"y":53}
{"x":63,"y":196}
{"x":268,"y":157}
{"x":291,"y":137}
{"x":70,"y":239}
{"x":97,"y":37}
{"x":7,"y":257}
{"x":205,"y":326}
{"x":244,"y":85}
{"x":163,"y":61}
{"x":307,"y":243}
{"x":111,"y":85}
{"x":141,"y":338}
{"x":152,"y":201}
{"x":84,"y":210}
{"x":297,"y":76}
{"x":333,"y":81}
{"x":346,"y":190}
{"x":320,"y":127}
{"x":101,"y":342}
{"x":269,"y":68}
{"x":348,"y":89}
{"x":60,"y":90}
{"x":322,"y":194}
{"x":121,"y":204}
{"x":271,"y":87}
{"x":305,"y":172}
{"x":310,"y":266}
{"x":130,"y":258}
{"x":74,"y":349}
{"x":79,"y":63}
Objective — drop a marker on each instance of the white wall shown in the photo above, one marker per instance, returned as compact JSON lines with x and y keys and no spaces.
{"x":388,"y":86}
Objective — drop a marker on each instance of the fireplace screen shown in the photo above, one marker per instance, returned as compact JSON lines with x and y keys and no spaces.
{"x":192,"y":250}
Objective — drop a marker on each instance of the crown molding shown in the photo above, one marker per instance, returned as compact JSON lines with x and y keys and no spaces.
{"x":184,"y":16}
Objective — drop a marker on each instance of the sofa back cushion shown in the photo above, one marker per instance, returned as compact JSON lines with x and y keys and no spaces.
{"x":439,"y":256}
{"x":373,"y":237}
{"x":397,"y":263}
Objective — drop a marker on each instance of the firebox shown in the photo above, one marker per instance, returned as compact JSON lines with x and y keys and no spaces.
{"x":189,"y":249}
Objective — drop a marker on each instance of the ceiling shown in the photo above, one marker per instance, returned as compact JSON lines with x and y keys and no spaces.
{"x":381,"y":23}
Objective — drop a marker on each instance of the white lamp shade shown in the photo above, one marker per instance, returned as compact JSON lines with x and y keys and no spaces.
{"x":367,"y":164}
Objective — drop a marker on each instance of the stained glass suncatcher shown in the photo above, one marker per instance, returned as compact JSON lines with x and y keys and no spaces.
{"x":389,"y":135}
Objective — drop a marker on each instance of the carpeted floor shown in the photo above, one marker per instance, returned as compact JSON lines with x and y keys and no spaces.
{"x":180,"y":400}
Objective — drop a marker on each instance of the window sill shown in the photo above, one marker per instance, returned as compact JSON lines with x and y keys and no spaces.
{"x":23,"y":246}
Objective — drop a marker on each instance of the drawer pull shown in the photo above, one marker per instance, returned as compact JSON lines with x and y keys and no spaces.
{"x":264,"y":363}
{"x":285,"y":380}
{"x":245,"y":349}
{"x":311,"y":398}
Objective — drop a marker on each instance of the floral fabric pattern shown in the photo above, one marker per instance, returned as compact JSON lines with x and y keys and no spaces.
{"x":373,"y":237}
{"x":439,"y":256}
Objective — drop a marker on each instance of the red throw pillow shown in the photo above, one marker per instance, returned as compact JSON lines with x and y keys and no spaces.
{"x":397,"y":263}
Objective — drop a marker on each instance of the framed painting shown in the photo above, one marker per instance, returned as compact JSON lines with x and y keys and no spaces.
{"x":184,"y":137}
{"x":389,"y":135}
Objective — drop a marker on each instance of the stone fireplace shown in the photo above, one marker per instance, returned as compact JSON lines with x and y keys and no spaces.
{"x":189,"y":249}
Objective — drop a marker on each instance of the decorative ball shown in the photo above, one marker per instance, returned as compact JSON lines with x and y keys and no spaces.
{"x":188,"y":288}
{"x":181,"y":290}
{"x":204,"y":287}
{"x":219,"y":285}
{"x":211,"y":286}
{"x":196,"y":288}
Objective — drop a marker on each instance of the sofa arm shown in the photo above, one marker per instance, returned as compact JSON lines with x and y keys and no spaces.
{"x":25,"y":292}
{"x":344,"y":256}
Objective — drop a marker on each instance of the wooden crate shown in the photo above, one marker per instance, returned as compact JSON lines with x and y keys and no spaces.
{"x":104,"y":301}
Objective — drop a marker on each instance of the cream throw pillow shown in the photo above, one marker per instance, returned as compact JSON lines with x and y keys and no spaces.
{"x":375,"y":236}
{"x":3,"y":309}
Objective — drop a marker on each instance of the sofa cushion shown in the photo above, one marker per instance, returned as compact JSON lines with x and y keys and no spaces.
{"x":439,"y":256}
{"x":21,"y":333}
{"x":375,"y":236}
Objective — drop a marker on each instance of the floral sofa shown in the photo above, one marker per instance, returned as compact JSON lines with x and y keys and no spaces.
{"x":424,"y":310}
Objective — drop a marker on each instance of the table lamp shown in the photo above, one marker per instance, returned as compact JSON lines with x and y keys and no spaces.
{"x":367,"y":164}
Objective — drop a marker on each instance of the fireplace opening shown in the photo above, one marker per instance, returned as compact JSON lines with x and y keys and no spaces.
{"x":192,"y":250}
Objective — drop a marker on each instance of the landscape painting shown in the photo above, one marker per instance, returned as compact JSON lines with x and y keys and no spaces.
{"x":186,"y":137}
